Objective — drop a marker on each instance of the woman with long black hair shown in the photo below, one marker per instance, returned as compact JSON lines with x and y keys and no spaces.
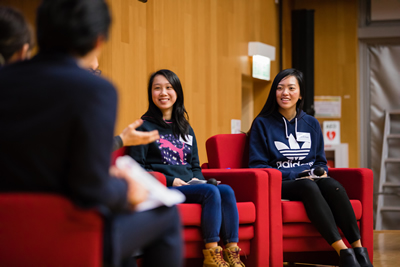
{"x":175,"y":155}
{"x":286,"y":138}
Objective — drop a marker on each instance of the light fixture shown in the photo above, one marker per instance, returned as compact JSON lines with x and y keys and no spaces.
{"x":262,"y":55}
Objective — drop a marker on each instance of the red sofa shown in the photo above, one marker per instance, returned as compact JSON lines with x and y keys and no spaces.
{"x":48,"y":230}
{"x":252,"y":195}
{"x":300,"y":240}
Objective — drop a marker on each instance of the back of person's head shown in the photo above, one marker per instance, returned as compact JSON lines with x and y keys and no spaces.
{"x":15,"y":33}
{"x":271,"y":105}
{"x":72,"y":26}
{"x":179,"y":115}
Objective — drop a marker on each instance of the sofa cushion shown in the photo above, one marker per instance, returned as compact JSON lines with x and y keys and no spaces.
{"x":191,"y":213}
{"x":302,"y":230}
{"x":294,"y":211}
{"x":38,"y":229}
{"x":301,"y":244}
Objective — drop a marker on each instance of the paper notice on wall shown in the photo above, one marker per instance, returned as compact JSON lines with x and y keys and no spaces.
{"x":328,"y":106}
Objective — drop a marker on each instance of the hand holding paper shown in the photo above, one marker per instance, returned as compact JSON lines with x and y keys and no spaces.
{"x":158,"y":194}
{"x":136,"y":192}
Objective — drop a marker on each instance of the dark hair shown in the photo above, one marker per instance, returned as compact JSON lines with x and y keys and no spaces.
{"x":271,"y":105}
{"x":72,"y":26}
{"x":180,"y":118}
{"x":15,"y":32}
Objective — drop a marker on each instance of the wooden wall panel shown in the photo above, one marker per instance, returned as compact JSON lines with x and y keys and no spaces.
{"x":203,"y":41}
{"x":28,"y":8}
{"x":336,"y":53}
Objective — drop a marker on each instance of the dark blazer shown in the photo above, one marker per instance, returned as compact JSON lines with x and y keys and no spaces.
{"x":56,"y":131}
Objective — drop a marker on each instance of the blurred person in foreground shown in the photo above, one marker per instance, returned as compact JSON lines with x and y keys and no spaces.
{"x":16,"y":39}
{"x":57,"y":123}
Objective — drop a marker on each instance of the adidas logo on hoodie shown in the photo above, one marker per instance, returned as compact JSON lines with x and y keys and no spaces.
{"x":294,"y":153}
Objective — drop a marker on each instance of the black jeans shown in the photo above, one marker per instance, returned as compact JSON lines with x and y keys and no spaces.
{"x":156,"y":233}
{"x":327,"y":206}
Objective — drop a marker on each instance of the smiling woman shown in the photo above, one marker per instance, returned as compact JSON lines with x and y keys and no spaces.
{"x":287,"y":96}
{"x":285,"y":138}
{"x":163,"y":95}
{"x":175,"y":155}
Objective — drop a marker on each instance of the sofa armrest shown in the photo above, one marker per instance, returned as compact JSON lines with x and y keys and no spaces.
{"x":205,"y":166}
{"x":257,"y":186}
{"x":358,"y":183}
{"x":249,"y":185}
{"x":160,"y":177}
{"x":274,"y":174}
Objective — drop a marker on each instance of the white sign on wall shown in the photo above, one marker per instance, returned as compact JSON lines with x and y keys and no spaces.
{"x":261,"y":67}
{"x":328,"y":106}
{"x":331,"y":132}
{"x":235,"y":126}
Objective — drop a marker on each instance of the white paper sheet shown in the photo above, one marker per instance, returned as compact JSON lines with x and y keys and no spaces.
{"x":159,"y":195}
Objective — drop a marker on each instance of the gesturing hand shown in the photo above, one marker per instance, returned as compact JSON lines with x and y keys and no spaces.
{"x":131,"y":137}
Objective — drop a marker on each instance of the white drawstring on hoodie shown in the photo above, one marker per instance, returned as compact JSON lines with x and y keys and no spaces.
{"x":287,"y":136}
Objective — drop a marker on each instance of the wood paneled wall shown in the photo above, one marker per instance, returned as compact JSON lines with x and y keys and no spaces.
{"x":336,"y":60}
{"x":27,"y":7}
{"x":204,"y":42}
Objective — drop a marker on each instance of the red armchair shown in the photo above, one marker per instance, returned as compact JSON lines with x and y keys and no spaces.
{"x":300,"y":240}
{"x":251,"y":190}
{"x":48,"y":230}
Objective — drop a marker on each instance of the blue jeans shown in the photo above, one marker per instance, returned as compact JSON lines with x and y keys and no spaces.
{"x":219,"y":211}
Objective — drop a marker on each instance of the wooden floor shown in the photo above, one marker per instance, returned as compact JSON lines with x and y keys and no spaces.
{"x":386,"y":249}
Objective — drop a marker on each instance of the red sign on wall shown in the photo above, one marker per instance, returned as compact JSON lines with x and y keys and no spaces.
{"x":331,"y":132}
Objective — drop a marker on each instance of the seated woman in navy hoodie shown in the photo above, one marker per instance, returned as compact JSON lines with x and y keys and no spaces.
{"x":175,"y":155}
{"x":285,"y":138}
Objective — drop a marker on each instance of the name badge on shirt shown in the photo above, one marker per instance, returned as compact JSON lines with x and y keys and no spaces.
{"x":303,"y":137}
{"x":189,"y":140}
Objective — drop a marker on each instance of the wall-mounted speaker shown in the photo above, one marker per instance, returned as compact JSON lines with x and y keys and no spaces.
{"x":303,"y":52}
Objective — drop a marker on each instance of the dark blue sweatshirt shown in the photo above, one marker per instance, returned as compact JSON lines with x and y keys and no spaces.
{"x":57,"y":124}
{"x":169,"y":155}
{"x":290,"y":147}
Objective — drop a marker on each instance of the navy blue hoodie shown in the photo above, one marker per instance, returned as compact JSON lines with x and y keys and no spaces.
{"x":290,"y":147}
{"x":168,"y":155}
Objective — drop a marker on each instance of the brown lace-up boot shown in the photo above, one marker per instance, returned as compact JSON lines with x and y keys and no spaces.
{"x":231,"y":256}
{"x":213,"y":258}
